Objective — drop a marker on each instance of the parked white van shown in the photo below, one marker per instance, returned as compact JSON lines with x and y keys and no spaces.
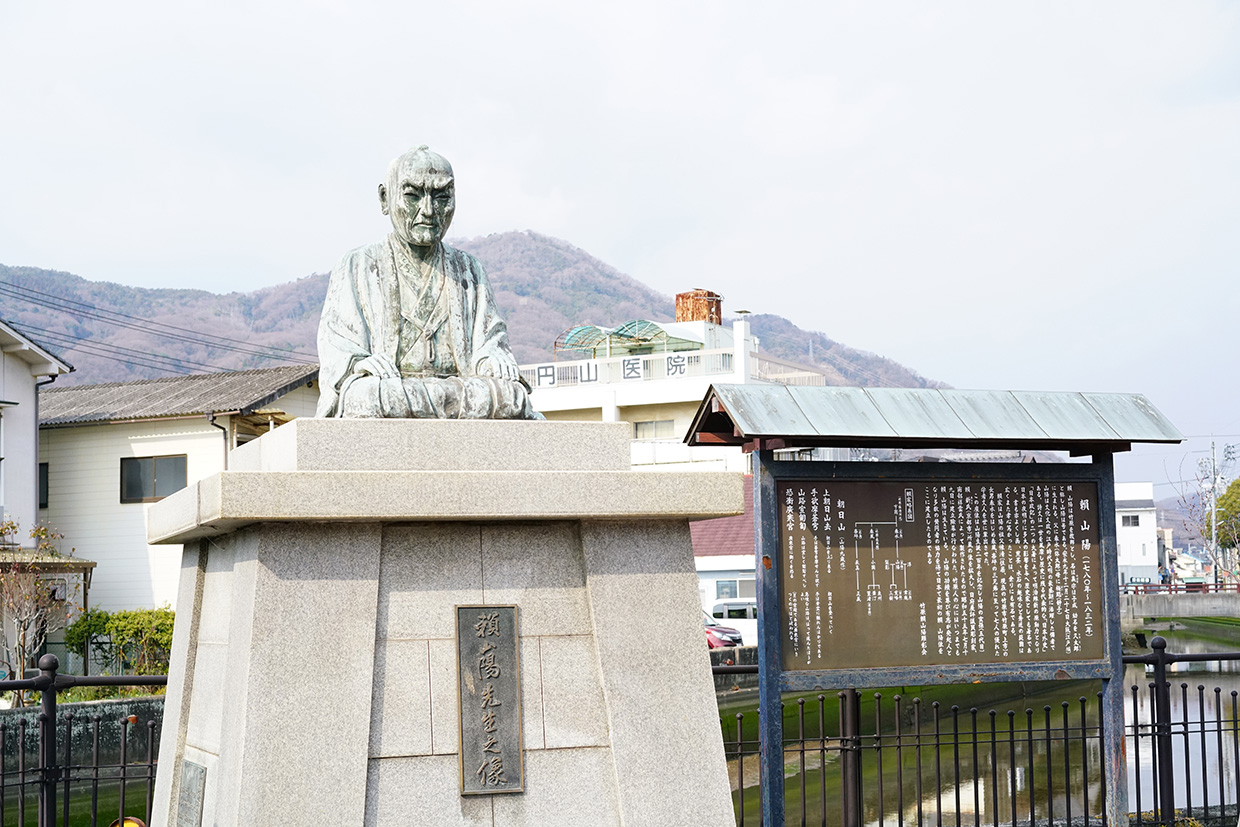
{"x":741,"y":614}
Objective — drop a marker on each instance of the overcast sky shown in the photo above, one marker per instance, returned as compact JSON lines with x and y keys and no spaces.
{"x":1039,"y":196}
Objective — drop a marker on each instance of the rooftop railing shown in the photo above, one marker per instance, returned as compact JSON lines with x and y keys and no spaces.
{"x":648,"y":367}
{"x":633,"y":368}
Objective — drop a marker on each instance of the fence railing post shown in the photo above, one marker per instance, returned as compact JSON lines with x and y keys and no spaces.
{"x":49,"y":774}
{"x":850,"y":756}
{"x":1162,"y":732}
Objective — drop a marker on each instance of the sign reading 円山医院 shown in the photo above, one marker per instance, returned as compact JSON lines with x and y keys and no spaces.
{"x":489,"y":681}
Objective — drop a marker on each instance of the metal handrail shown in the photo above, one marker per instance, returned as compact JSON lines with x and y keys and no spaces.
{"x":48,"y":683}
{"x":1179,"y":588}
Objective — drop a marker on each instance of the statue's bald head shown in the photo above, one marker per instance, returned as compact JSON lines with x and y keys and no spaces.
{"x":419,"y":196}
{"x":423,"y":162}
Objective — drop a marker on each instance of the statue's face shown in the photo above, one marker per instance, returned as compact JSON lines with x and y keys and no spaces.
{"x":419,"y":197}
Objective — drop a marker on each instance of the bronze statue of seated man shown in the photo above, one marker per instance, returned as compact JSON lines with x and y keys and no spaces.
{"x":410,"y":328}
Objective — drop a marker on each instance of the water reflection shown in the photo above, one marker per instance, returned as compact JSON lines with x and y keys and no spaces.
{"x":1204,"y":755}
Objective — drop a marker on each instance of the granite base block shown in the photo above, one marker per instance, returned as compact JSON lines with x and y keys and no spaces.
{"x":315,"y":661}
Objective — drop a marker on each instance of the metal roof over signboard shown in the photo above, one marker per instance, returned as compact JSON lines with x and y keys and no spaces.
{"x":777,"y":416}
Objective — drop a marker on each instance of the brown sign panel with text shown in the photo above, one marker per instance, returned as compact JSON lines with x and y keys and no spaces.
{"x":896,"y":574}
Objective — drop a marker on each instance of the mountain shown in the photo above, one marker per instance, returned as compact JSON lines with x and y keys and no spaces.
{"x":543,"y":286}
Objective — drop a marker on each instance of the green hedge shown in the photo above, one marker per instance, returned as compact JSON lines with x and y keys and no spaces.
{"x":140,"y":640}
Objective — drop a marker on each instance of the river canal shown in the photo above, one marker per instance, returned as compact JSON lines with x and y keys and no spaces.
{"x":1046,"y":755}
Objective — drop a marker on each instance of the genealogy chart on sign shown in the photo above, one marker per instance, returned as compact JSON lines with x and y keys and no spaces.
{"x":891,"y":573}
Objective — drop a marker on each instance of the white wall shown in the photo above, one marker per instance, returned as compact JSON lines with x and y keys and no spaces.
{"x":624,"y":395}
{"x":19,"y":479}
{"x":1137,"y":545}
{"x":300,"y":402}
{"x":712,"y":568}
{"x":84,"y":503}
{"x":84,"y":497}
{"x":674,"y":455}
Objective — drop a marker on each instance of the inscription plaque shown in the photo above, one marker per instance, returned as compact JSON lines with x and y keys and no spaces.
{"x":887,"y":573}
{"x":489,"y":680}
{"x":190,"y":795}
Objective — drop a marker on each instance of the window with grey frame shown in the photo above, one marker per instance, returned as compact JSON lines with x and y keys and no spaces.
{"x":148,"y":479}
{"x":655,"y":429}
{"x":43,"y":484}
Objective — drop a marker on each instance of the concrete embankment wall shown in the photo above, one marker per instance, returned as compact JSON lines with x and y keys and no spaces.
{"x":740,"y":656}
{"x":1134,"y":608}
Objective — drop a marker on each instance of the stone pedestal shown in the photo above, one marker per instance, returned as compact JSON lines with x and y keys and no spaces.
{"x":314,"y":660}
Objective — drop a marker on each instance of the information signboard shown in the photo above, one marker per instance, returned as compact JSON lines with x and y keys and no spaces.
{"x":938,"y":572}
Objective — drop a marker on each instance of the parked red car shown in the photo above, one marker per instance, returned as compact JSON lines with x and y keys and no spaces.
{"x":718,"y":635}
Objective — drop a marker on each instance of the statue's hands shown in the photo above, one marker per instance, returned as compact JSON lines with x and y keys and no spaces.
{"x":377,"y":365}
{"x":499,"y":370}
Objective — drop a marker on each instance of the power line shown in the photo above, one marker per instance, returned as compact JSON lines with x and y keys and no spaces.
{"x":79,"y":343}
{"x":142,"y":361}
{"x":146,"y":326}
{"x":135,"y":362}
{"x":18,"y":287}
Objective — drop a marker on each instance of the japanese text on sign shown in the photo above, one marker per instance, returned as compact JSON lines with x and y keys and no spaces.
{"x":490,"y":701}
{"x":906,"y":574}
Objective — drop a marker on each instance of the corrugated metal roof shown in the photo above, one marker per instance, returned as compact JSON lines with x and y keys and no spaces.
{"x":877,"y":417}
{"x":203,"y":393}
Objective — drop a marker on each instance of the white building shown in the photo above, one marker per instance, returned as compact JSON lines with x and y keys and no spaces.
{"x":1136,"y":532}
{"x":24,"y":366}
{"x":108,"y":451}
{"x":654,"y":375}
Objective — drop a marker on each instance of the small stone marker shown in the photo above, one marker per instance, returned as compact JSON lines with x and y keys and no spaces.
{"x":489,"y":679}
{"x":189,"y":802}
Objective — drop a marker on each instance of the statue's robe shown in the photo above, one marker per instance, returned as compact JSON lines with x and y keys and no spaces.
{"x":442,"y":331}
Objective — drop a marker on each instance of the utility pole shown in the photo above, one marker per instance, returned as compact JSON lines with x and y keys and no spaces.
{"x":1215,"y":479}
{"x":1214,"y":510}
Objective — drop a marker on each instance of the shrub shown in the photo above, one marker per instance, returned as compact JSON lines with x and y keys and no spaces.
{"x":139,"y":640}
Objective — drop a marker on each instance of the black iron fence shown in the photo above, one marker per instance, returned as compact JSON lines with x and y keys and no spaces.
{"x":72,"y":770}
{"x":850,"y":759}
{"x":856,"y":759}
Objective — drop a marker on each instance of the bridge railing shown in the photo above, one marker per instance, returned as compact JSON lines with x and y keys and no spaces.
{"x":1179,"y":588}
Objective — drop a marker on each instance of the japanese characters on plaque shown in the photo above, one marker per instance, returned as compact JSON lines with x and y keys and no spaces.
{"x":881,"y":574}
{"x":489,"y":679}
